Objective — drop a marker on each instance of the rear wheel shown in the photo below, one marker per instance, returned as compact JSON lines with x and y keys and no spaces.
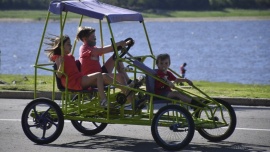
{"x":224,"y":114}
{"x":89,"y":128}
{"x":42,"y":121}
{"x":173,"y":127}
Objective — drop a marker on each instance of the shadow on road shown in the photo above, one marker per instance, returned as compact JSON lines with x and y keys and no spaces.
{"x":116,"y":143}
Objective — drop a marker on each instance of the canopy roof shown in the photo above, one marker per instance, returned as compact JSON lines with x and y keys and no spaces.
{"x":95,"y":9}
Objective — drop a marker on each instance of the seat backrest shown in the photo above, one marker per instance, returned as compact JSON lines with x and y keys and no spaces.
{"x":78,"y":64}
{"x":143,"y":67}
{"x":149,"y":81}
{"x":150,"y":84}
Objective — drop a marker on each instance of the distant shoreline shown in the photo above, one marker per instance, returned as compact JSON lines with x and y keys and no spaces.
{"x":169,"y":19}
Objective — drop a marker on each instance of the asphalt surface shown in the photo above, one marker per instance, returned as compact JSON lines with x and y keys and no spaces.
{"x":232,"y":101}
{"x":251,"y":134}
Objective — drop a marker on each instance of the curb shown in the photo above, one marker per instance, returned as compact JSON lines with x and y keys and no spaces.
{"x":30,"y":95}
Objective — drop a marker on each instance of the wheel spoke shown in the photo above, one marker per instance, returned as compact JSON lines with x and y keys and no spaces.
{"x":95,"y":124}
{"x":46,"y":112}
{"x":44,"y":132}
{"x":35,"y":125}
{"x":35,"y":111}
{"x":88,"y":128}
{"x":52,"y":122}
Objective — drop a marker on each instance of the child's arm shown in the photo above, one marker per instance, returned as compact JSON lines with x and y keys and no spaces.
{"x":169,"y":83}
{"x":59,"y":62}
{"x":108,"y":48}
{"x":179,"y":80}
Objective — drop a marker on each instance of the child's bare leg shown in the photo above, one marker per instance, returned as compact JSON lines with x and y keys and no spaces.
{"x":108,"y":79}
{"x":120,"y":68}
{"x":184,"y":98}
{"x":175,"y":94}
{"x":109,"y":64}
{"x":94,"y":79}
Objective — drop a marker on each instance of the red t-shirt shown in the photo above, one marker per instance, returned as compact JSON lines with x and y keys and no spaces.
{"x":71,"y":70}
{"x":159,"y":86}
{"x":89,"y":62}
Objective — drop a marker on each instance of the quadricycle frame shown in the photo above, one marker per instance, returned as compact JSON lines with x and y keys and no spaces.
{"x":173,"y":122}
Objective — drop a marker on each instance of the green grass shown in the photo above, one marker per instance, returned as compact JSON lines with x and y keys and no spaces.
{"x":222,"y":13}
{"x":214,"y":89}
{"x":42,"y":14}
{"x":31,"y":14}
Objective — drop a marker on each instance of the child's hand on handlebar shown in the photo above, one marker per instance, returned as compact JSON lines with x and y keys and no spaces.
{"x":171,"y":84}
{"x":129,"y":41}
{"x":189,"y":82}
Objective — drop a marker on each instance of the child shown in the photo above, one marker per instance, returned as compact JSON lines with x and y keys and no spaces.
{"x":89,"y":56}
{"x":76,"y":80}
{"x":183,"y":70}
{"x":163,"y":62}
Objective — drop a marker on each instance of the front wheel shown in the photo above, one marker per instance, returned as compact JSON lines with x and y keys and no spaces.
{"x":172,"y":127}
{"x":42,"y":121}
{"x":222,"y":113}
{"x":88,"y":128}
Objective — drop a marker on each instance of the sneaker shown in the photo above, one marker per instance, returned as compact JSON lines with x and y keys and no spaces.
{"x":132,"y":83}
{"x":140,"y":81}
{"x":140,"y":104}
{"x":137,"y":82}
{"x":130,"y":96}
{"x":103,"y":103}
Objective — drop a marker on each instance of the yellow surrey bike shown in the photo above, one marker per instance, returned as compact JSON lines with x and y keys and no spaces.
{"x":172,"y":121}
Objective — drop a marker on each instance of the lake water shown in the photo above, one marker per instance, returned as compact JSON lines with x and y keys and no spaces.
{"x":218,"y":51}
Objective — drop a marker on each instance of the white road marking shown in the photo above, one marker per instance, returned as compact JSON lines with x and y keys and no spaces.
{"x":253,"y":129}
{"x":248,"y":129}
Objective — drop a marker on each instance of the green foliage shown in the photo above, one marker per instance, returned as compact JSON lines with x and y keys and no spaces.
{"x":42,"y":14}
{"x":24,"y":4}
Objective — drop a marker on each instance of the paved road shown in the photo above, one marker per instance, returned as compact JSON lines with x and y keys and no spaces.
{"x":252,"y":134}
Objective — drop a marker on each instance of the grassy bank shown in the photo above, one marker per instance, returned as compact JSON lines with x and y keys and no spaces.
{"x":41,"y":14}
{"x":217,"y":89}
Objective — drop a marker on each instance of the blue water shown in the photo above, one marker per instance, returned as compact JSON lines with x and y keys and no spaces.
{"x":218,"y":51}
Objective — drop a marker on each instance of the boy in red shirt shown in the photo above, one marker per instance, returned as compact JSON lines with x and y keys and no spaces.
{"x":89,"y":58}
{"x":163,"y":62}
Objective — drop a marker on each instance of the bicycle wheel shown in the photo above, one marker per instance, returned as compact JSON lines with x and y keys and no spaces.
{"x":88,"y":128}
{"x":223,"y":113}
{"x":42,"y":121}
{"x":172,"y":127}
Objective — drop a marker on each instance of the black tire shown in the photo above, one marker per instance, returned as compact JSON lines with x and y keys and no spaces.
{"x":88,"y":128}
{"x":42,"y":121}
{"x":173,"y":135}
{"x":221,"y":133}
